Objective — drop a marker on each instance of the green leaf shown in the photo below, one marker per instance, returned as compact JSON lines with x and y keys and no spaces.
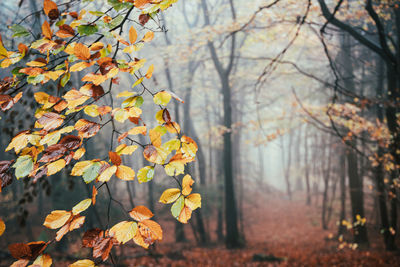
{"x":145,"y":174}
{"x":87,"y":29}
{"x":178,"y":206}
{"x":96,"y":13}
{"x":117,"y":5}
{"x":92,"y":172}
{"x":35,"y":79}
{"x":65,"y":78}
{"x":115,"y":22}
{"x":19,"y":31}
{"x":23,"y":166}
{"x":16,"y":70}
{"x":134,"y":101}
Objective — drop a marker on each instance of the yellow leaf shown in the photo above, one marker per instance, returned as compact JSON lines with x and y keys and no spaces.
{"x":79,"y":153}
{"x":124,"y":231}
{"x":43,"y":260}
{"x":55,"y":167}
{"x":41,"y":97}
{"x":82,"y":263}
{"x":162,"y":98}
{"x":148,"y":37}
{"x":150,"y":71}
{"x":193,"y":201}
{"x":138,"y":130}
{"x":120,"y":115}
{"x":170,"y":195}
{"x":18,"y":142}
{"x":145,"y":174}
{"x":125,"y":173}
{"x":125,"y":94}
{"x":105,"y":176}
{"x":57,"y":218}
{"x":125,"y":150}
{"x":139,"y":81}
{"x":2,"y":227}
{"x":92,"y":110}
{"x":132,"y":35}
{"x":81,"y":167}
{"x":187,"y":183}
{"x":81,"y":206}
{"x":81,"y":66}
{"x":174,"y":168}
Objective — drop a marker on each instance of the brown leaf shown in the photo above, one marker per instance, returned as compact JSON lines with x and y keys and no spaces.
{"x":115,"y":158}
{"x":102,"y":249}
{"x":65,"y":31}
{"x":143,"y":19}
{"x":87,"y":128}
{"x":53,"y":153}
{"x":91,"y":237}
{"x":50,"y":9}
{"x":71,"y":141}
{"x":20,"y":251}
{"x":50,"y":121}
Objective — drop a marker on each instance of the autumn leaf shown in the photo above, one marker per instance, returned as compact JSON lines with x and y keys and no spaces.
{"x":170,"y":195}
{"x":55,"y":167}
{"x":193,"y":201}
{"x":81,"y":206}
{"x":105,"y":176}
{"x":43,"y":260}
{"x":187,"y":183}
{"x":132,"y":35}
{"x":50,"y":9}
{"x":150,"y":71}
{"x":2,"y":227}
{"x":140,"y":213}
{"x":150,"y":230}
{"x":47,"y":32}
{"x":162,"y":98}
{"x":125,"y":173}
{"x":94,"y":194}
{"x":145,"y":174}
{"x":125,"y":150}
{"x":86,"y":129}
{"x":83,"y":263}
{"x":114,"y":158}
{"x":81,"y":51}
{"x":57,"y":218}
{"x":148,"y":37}
{"x":124,"y":231}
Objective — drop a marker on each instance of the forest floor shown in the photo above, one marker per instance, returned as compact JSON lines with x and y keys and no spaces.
{"x":278,"y":232}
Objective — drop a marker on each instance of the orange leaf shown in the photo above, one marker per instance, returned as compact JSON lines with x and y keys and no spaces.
{"x":132,"y":35}
{"x":141,"y":213}
{"x":94,"y":194}
{"x":81,"y":51}
{"x":50,"y":9}
{"x":46,"y":30}
{"x":125,"y":173}
{"x":115,"y":158}
{"x":187,"y":183}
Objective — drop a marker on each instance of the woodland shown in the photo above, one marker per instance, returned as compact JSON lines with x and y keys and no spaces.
{"x":199,"y":133}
